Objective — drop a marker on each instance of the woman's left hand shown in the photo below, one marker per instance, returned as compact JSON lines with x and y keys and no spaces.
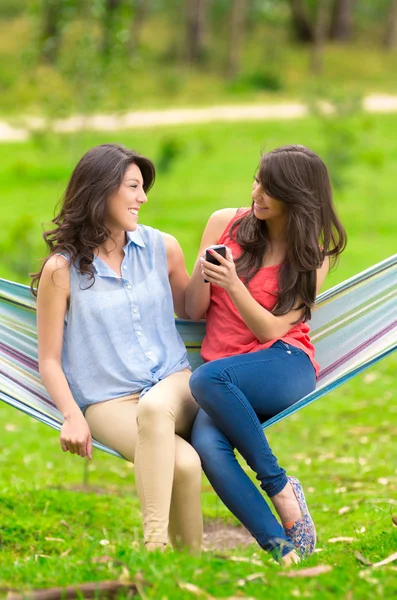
{"x":223,"y":275}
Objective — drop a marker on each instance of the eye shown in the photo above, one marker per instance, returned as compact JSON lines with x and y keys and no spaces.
{"x":134,"y":186}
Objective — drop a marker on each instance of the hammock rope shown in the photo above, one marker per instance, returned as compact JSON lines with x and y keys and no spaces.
{"x":354,"y":325}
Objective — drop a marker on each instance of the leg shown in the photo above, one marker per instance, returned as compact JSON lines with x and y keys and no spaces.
{"x":234,"y":487}
{"x":234,"y":391}
{"x":186,"y":521}
{"x":114,"y":423}
{"x":166,"y":409}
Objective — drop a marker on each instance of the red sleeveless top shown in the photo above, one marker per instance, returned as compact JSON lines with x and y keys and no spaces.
{"x":226,"y":332}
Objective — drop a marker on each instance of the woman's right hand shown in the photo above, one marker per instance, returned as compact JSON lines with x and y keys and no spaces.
{"x":76,"y":436}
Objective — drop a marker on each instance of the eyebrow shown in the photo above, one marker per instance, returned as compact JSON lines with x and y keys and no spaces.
{"x":133,"y":179}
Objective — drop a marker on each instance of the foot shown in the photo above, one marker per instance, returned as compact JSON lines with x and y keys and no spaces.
{"x":302,"y":531}
{"x":290,"y":559}
{"x":152,"y":546}
{"x":286,"y":505}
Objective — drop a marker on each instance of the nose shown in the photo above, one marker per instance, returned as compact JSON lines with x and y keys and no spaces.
{"x":142,"y":197}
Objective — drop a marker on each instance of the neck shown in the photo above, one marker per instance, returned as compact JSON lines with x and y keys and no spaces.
{"x":114,"y":244}
{"x":276,"y":231}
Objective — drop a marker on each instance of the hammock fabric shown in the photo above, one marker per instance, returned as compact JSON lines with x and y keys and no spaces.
{"x":354,"y":325}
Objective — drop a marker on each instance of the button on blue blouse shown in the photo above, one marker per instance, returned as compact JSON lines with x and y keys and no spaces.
{"x":120,"y":335}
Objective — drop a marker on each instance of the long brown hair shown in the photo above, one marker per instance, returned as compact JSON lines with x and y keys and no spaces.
{"x":80,"y":225}
{"x":298,"y":177}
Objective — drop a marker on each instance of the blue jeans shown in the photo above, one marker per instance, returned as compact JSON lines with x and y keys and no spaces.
{"x":235,"y":395}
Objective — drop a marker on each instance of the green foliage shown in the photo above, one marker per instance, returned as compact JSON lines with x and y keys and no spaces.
{"x":18,"y":246}
{"x":347,"y":134}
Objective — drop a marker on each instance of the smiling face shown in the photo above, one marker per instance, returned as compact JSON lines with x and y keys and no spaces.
{"x":266,"y":207}
{"x":123,"y":206}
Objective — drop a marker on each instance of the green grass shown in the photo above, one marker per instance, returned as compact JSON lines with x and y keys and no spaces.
{"x":342,"y":448}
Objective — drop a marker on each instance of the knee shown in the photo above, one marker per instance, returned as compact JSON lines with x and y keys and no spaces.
{"x":151,"y":412}
{"x":187,"y":467}
{"x":200,"y":382}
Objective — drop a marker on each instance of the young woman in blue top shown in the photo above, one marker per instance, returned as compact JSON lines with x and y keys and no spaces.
{"x":109,"y":352}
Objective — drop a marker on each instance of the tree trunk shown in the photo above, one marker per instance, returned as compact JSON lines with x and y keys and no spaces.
{"x":141,"y":9}
{"x":238,"y":18}
{"x":320,"y":34}
{"x":391,"y":27}
{"x":301,"y":23}
{"x":342,"y":21}
{"x":109,"y":22}
{"x":51,"y":30}
{"x":196,"y":21}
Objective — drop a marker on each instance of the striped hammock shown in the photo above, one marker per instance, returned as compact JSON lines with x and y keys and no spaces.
{"x":354,"y":325}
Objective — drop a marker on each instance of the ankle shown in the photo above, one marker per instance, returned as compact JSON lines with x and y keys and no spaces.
{"x":152,"y":546}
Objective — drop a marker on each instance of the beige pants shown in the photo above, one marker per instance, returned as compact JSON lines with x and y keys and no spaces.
{"x":150,"y":433}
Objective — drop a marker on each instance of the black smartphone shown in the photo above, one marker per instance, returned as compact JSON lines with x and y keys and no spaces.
{"x":221,"y":249}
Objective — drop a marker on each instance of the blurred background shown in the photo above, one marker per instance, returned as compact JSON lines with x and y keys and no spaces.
{"x":330,"y":62}
{"x":240,"y":77}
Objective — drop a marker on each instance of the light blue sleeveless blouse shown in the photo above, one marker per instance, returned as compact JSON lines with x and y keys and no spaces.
{"x":120,"y":335}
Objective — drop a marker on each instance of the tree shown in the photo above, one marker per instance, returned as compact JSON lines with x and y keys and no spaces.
{"x":196,"y":24}
{"x":51,"y":30}
{"x":301,"y":22}
{"x":109,"y":24}
{"x":320,"y":34}
{"x":390,"y":40}
{"x":238,"y":17}
{"x":141,"y":9}
{"x":342,"y":20}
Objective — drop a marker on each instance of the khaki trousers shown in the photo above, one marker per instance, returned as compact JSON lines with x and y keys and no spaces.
{"x":151,"y":433}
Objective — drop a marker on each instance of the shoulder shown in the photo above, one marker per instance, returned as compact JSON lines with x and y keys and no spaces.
{"x":173,"y":249}
{"x":321,"y":274}
{"x":219,"y":220}
{"x":56,"y":273}
{"x":170,"y":242}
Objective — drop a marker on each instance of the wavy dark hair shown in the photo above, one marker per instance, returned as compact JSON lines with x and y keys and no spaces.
{"x":298,"y":177}
{"x":80,"y":225}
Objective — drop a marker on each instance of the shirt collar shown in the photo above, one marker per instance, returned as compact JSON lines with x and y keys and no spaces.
{"x":132,"y":236}
{"x":135,"y":237}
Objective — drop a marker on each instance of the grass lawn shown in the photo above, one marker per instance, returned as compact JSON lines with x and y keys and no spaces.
{"x":62,"y":522}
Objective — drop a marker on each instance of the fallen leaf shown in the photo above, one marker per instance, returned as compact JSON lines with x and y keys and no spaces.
{"x":361,"y":530}
{"x":194,"y":589}
{"x":99,"y":560}
{"x":65,"y":524}
{"x":310,"y":572}
{"x":394,"y":520}
{"x":104,"y":542}
{"x":383,"y":481}
{"x":370,"y":377}
{"x":347,"y":540}
{"x":252,"y":561}
{"x":50,"y":539}
{"x":11,"y":427}
{"x":254,"y":576}
{"x":344,"y":510}
{"x":68,"y":551}
{"x":362,"y":559}
{"x":386,"y":561}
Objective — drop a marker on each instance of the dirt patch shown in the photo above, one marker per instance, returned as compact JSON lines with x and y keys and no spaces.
{"x":219,"y":535}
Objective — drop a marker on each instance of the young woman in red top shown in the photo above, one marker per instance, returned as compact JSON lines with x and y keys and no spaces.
{"x":259,"y":358}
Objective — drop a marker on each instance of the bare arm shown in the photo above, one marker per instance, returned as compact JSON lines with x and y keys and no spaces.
{"x":198,"y":293}
{"x":263,"y":324}
{"x":52,"y":299}
{"x":177,"y":273}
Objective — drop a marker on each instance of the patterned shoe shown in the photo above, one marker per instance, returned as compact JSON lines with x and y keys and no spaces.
{"x":302,"y":533}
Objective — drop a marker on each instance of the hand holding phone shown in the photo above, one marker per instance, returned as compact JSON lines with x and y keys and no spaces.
{"x":221,"y":249}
